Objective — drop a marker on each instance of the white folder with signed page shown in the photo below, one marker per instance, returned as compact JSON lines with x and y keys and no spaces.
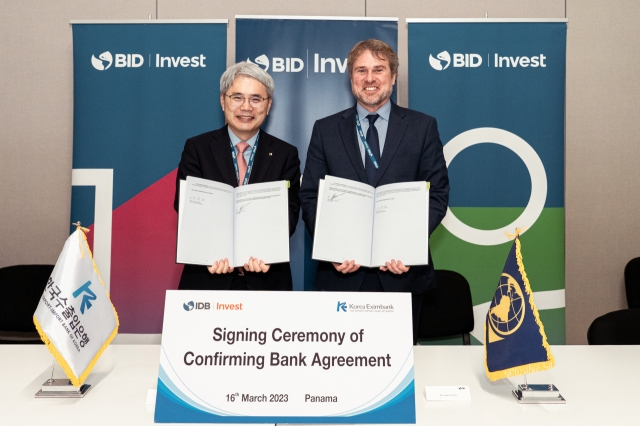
{"x":217,"y":221}
{"x":355,"y":221}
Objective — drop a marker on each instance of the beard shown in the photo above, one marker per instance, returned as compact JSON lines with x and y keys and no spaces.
{"x":372,"y":101}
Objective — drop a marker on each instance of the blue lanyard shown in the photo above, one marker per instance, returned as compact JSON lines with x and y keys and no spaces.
{"x":249,"y":166}
{"x":364,"y":142}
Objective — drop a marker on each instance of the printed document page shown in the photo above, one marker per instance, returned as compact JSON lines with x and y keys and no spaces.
{"x":401,"y":224}
{"x":344,"y":221}
{"x":205,"y":232}
{"x":183,"y":189}
{"x":261,"y":226}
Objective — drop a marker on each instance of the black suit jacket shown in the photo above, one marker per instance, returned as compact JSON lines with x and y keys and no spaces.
{"x":208,"y":156}
{"x":412,"y":152}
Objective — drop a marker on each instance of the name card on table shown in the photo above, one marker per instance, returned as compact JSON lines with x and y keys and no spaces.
{"x":286,"y":357}
{"x":447,"y":393}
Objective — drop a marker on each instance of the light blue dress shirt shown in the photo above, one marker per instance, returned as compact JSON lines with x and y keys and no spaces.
{"x":252,"y":141}
{"x":382,"y":123}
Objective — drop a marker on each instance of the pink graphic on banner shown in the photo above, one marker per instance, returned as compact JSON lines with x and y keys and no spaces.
{"x":143,"y":256}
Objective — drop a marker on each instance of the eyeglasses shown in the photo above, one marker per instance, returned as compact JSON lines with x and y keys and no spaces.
{"x":254,"y":100}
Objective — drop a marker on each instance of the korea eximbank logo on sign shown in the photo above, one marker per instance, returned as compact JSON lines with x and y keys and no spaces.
{"x":318,"y":65}
{"x":136,"y":60}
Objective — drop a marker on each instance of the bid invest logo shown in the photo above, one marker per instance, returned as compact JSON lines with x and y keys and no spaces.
{"x":313,"y":63}
{"x":460,"y":60}
{"x":441,"y":61}
{"x":122,"y":60}
{"x":262,"y":61}
{"x":102,"y":62}
{"x":473,"y":60}
{"x":136,"y":60}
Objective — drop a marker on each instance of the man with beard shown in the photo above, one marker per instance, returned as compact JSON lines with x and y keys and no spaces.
{"x":406,"y":147}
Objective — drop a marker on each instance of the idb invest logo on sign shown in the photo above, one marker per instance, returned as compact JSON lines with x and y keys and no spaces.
{"x":190,"y":306}
{"x":105,"y":59}
{"x":278,"y":64}
{"x":136,"y":60}
{"x":320,"y":64}
{"x":102,"y":62}
{"x":261,"y":60}
{"x":467,"y":60}
{"x":436,"y":63}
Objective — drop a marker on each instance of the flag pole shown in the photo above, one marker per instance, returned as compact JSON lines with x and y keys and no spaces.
{"x":53,"y":366}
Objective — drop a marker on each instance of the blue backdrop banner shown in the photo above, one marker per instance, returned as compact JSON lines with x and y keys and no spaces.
{"x":497,"y":89}
{"x":307,"y":58}
{"x":140,"y":90}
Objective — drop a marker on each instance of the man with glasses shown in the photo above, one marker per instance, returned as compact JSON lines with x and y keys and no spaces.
{"x":237,"y":154}
{"x":406,"y":147}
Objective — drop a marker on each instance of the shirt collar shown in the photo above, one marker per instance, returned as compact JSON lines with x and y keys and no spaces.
{"x":235,"y":139}
{"x":383,"y":111}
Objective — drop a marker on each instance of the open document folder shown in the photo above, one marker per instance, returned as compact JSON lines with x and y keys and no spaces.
{"x":355,"y":221}
{"x":217,"y":221}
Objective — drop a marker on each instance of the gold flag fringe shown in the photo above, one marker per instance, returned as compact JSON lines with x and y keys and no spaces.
{"x":527,"y":368}
{"x":75,"y":380}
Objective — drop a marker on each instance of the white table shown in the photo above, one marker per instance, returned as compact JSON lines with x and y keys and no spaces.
{"x":600,"y":384}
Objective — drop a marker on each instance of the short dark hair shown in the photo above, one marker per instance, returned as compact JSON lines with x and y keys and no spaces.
{"x":379,"y":49}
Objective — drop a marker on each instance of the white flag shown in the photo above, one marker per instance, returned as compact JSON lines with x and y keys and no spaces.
{"x":75,"y":317}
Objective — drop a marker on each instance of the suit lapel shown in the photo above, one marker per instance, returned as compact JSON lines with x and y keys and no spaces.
{"x":351,"y":145}
{"x":221,"y":150}
{"x":395,"y":131}
{"x":262,"y":159}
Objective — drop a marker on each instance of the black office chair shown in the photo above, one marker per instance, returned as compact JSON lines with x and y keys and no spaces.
{"x":21,"y":288}
{"x":447,"y":310}
{"x":616,"y":328}
{"x":632,"y":283}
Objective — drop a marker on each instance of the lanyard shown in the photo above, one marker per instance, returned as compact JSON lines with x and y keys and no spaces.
{"x":249,"y":166}
{"x":364,"y":142}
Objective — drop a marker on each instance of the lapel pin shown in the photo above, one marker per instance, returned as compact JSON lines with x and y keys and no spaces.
{"x":270,"y":155}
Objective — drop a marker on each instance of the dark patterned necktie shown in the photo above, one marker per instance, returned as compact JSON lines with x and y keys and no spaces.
{"x":374,"y":144}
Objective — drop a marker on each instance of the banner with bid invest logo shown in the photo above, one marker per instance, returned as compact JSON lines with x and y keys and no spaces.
{"x":286,"y":357}
{"x":141,"y":88}
{"x":497,"y":89}
{"x":307,"y":58}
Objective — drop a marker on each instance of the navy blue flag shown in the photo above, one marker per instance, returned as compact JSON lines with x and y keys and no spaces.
{"x":515,"y":342}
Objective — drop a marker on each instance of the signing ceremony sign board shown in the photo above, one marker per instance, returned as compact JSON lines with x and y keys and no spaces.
{"x":286,"y":357}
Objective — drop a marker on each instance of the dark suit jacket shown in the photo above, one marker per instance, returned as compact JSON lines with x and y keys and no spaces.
{"x":412,"y":152}
{"x":208,"y":156}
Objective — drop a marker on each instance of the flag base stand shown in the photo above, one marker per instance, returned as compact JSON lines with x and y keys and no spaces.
{"x":538,"y":394}
{"x":62,"y":388}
